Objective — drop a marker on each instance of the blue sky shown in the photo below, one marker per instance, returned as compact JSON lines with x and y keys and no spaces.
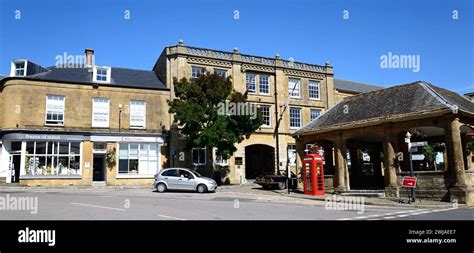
{"x":312,"y":31}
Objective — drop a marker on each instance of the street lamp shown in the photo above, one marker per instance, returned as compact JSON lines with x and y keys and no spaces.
{"x":408,"y":141}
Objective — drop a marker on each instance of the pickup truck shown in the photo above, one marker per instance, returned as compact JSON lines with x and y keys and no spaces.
{"x":276,"y":181}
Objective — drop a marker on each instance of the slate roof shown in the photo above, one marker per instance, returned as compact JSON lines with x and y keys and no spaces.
{"x":120,"y":77}
{"x":394,"y":103}
{"x":354,"y":87}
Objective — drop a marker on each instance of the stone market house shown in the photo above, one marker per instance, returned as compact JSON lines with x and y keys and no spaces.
{"x":63,"y":126}
{"x":367,"y":132}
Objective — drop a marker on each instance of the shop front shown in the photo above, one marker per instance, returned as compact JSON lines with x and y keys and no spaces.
{"x":78,"y":160}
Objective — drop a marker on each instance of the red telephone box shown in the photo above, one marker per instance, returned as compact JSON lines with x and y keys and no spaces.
{"x":313,"y":174}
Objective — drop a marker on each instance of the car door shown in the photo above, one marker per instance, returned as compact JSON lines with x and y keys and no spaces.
{"x":171,"y":178}
{"x":187,"y":180}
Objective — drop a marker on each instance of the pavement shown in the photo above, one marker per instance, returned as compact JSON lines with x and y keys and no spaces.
{"x":246,"y":202}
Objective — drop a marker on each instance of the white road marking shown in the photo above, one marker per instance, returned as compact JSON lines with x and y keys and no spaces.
{"x":400,"y":214}
{"x":169,"y":217}
{"x":104,"y":207}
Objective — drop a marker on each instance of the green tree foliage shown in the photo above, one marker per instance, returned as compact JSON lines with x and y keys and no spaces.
{"x":196,"y":108}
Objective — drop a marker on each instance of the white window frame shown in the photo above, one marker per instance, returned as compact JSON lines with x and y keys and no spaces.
{"x":311,"y":113}
{"x":267,"y":84}
{"x":289,"y":111}
{"x":140,"y":155}
{"x":221,"y":70}
{"x":52,"y":122}
{"x":247,"y":83}
{"x":297,"y":88}
{"x":203,"y":70}
{"x":269,"y":116}
{"x":95,"y":110}
{"x":291,"y":149}
{"x":317,"y":84}
{"x":199,"y":163}
{"x":136,"y":126}
{"x":108,"y":76}
{"x":14,"y":69}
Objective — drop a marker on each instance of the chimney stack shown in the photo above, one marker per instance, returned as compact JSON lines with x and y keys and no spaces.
{"x":89,"y":56}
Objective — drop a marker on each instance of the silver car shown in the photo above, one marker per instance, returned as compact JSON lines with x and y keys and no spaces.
{"x":183,"y":179}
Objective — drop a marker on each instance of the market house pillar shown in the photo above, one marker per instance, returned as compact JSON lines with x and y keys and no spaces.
{"x":391,"y":183}
{"x":458,"y":189}
{"x":340,"y":171}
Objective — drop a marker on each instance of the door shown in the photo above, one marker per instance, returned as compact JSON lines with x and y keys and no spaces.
{"x":15,"y":168}
{"x":171,"y":178}
{"x":98,"y":168}
{"x":187,"y":181}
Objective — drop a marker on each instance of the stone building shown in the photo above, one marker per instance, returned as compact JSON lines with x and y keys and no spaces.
{"x":63,"y":125}
{"x":308,"y":89}
{"x":368,"y":131}
{"x":74,"y":125}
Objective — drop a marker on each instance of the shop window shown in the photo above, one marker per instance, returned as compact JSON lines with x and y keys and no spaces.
{"x":52,"y":158}
{"x":138,"y":158}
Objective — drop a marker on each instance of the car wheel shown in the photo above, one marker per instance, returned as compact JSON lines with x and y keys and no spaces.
{"x":161,"y":187}
{"x":201,"y":188}
{"x":281,"y":185}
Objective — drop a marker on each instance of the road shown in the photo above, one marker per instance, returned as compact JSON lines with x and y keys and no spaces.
{"x":145,"y":204}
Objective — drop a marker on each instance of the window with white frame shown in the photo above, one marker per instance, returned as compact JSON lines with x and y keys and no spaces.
{"x":292,"y":154}
{"x":220,"y":159}
{"x":314,"y":114}
{"x":100,"y":112}
{"x":314,"y":90}
{"x":295,"y":117}
{"x":264,"y":86}
{"x":137,"y":114}
{"x":294,"y":87}
{"x":221,"y":72}
{"x":199,"y":156}
{"x":52,"y":158}
{"x":102,"y":74}
{"x":20,"y":68}
{"x":196,"y":72}
{"x":138,"y":158}
{"x":54,"y":110}
{"x":266,"y":119}
{"x":250,"y":82}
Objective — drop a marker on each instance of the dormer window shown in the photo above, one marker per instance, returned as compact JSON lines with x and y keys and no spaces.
{"x":18,"y":68}
{"x":101,"y":74}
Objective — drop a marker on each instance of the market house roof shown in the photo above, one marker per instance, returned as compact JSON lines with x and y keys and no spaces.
{"x":392,"y":104}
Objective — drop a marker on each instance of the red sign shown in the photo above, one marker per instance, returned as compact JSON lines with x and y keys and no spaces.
{"x":409,"y":182}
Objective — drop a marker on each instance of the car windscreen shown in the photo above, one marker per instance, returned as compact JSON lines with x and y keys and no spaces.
{"x":197,"y":174}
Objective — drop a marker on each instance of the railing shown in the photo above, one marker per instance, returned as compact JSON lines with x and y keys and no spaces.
{"x":303,"y":66}
{"x":209,"y":53}
{"x":253,"y":59}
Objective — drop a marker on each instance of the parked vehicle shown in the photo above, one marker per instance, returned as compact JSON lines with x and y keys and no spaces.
{"x":183,"y":179}
{"x":276,"y":181}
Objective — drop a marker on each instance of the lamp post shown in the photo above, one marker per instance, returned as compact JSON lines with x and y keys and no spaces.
{"x":410,"y":163}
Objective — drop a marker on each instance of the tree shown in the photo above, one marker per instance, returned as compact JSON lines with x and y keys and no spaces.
{"x":430,"y":155}
{"x":205,"y":110}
